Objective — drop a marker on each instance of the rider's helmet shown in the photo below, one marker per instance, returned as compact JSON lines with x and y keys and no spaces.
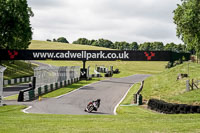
{"x":98,"y":100}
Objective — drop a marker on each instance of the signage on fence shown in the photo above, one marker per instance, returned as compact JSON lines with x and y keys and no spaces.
{"x":92,"y":55}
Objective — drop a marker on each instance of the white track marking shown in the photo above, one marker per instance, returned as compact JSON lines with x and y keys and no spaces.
{"x":75,"y":90}
{"x":10,"y":96}
{"x":25,"y":110}
{"x":115,"y":113}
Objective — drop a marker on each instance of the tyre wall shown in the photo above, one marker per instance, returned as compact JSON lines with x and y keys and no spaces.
{"x":172,"y":108}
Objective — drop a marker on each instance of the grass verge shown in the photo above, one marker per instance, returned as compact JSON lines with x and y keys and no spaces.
{"x":126,"y":68}
{"x":165,"y":85}
{"x":13,"y":97}
{"x":35,"y":44}
{"x":17,"y":69}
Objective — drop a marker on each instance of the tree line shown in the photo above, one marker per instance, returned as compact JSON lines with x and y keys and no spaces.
{"x":123,"y":45}
{"x":60,"y":39}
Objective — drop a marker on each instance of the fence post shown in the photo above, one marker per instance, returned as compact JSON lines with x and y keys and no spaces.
{"x":111,"y":70}
{"x":138,"y":97}
{"x":88,"y":73}
{"x":2,"y":69}
{"x":192,"y":88}
{"x":34,"y":83}
{"x":187,"y":85}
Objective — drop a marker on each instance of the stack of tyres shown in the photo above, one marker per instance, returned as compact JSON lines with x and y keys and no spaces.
{"x":116,"y":71}
{"x":108,"y":74}
{"x":170,"y":108}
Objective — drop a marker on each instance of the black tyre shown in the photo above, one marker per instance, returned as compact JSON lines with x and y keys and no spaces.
{"x":90,"y":109}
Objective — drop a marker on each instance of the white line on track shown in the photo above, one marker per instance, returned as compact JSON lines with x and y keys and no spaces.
{"x":75,"y":90}
{"x":25,"y":110}
{"x":10,"y":95}
{"x":115,"y":113}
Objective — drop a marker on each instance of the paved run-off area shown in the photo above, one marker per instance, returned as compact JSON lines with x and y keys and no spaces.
{"x":110,"y":92}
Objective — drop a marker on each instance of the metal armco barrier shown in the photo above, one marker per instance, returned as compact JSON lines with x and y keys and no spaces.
{"x":17,"y":80}
{"x":2,"y":69}
{"x":31,"y":94}
{"x":49,"y":78}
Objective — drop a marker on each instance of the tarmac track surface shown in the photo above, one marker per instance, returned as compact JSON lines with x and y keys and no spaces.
{"x":14,"y":89}
{"x":109,"y":91}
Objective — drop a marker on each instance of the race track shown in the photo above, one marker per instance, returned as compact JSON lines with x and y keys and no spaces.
{"x":14,"y":89}
{"x":109,"y":91}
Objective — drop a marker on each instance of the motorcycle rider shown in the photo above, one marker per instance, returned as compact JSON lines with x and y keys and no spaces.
{"x":96,"y":105}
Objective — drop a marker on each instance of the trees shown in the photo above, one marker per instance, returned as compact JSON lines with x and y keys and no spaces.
{"x":54,"y":40}
{"x":15,"y":29}
{"x":83,"y":41}
{"x":103,"y":43}
{"x":92,"y":41}
{"x":134,"y":46}
{"x":187,"y":19}
{"x":145,"y":46}
{"x":158,"y":46}
{"x":171,"y":47}
{"x":181,"y":48}
{"x":122,"y":45}
{"x":62,"y":40}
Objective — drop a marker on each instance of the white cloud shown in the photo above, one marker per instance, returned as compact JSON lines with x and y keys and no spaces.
{"x":119,"y":20}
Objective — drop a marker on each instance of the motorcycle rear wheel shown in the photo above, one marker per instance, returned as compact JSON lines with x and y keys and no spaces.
{"x":90,"y":109}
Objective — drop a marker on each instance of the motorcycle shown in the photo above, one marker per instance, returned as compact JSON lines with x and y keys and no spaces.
{"x":93,"y":106}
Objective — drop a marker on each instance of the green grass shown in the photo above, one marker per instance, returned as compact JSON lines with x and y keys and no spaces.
{"x":62,"y":46}
{"x":13,"y":97}
{"x":17,"y":69}
{"x":129,"y":119}
{"x":165,"y":86}
{"x":126,"y":68}
{"x":133,"y":119}
{"x":69,"y":88}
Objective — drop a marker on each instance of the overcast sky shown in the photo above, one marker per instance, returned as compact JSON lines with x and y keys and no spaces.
{"x":116,"y":20}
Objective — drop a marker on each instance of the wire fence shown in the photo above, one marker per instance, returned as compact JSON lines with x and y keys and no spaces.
{"x":193,"y":84}
{"x":51,"y":74}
